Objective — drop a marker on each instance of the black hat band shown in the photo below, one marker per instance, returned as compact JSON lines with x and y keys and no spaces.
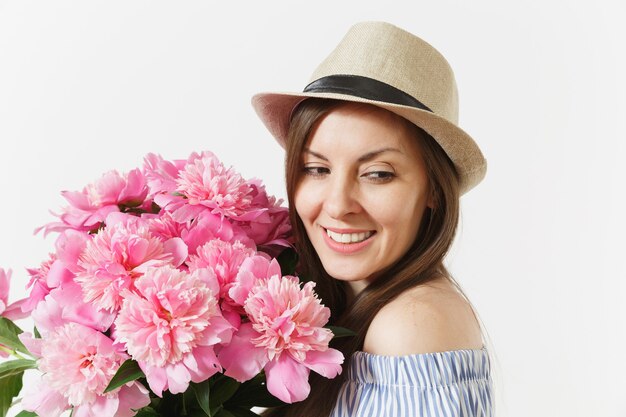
{"x":364,"y":87}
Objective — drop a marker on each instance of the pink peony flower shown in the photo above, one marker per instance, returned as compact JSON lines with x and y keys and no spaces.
{"x":224,"y":259}
{"x":164,"y":226}
{"x":272,"y":226}
{"x":170,"y":326}
{"x":253,"y":270}
{"x":207,"y":182}
{"x":285,"y":334}
{"x":206,"y":185}
{"x":207,"y":226}
{"x":88,"y":208}
{"x":196,"y":232}
{"x":38,"y":283}
{"x":161,"y":174}
{"x":69,"y":245}
{"x":112,"y":188}
{"x":78,"y":362}
{"x":60,"y":267}
{"x":65,"y":304}
{"x":11,"y":311}
{"x":117,"y":256}
{"x":51,"y":274}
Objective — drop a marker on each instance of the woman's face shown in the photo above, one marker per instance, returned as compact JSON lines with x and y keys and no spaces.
{"x":363,"y":191}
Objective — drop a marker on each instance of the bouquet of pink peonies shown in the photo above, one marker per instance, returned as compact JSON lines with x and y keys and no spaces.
{"x":171,"y":291}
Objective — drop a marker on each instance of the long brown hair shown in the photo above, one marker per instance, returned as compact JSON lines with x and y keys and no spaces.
{"x":422,"y":263}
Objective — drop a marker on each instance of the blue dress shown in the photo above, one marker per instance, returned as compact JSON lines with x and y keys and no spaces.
{"x":453,"y":383}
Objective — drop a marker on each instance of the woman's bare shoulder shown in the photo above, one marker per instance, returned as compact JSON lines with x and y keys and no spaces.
{"x":434,"y":317}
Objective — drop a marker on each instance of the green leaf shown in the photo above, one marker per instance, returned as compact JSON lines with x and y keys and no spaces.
{"x":154,"y":401}
{"x":15,"y":367}
{"x":26,"y":414}
{"x":169,"y":405}
{"x":146,"y":412}
{"x":340,"y":331}
{"x":253,"y":393}
{"x":36,"y":333}
{"x":11,"y":373}
{"x":10,"y":387}
{"x":8,"y":336}
{"x":129,"y":371}
{"x":223,"y":390}
{"x":202,"y":391}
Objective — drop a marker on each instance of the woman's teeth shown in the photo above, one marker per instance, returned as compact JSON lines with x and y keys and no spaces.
{"x":348,"y":237}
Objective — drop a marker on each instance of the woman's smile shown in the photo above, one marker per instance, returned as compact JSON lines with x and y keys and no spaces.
{"x":347,"y":243}
{"x":348,"y":235}
{"x":363,"y":191}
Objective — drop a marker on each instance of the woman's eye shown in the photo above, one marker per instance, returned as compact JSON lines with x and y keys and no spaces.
{"x":315,"y":171}
{"x":380,"y":176}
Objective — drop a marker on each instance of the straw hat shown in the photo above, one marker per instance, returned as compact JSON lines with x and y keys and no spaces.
{"x":381,"y":64}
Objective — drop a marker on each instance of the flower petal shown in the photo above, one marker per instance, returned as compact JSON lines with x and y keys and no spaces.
{"x":43,"y":400}
{"x":205,"y":363}
{"x":156,"y":377}
{"x":5,"y":285}
{"x":287,"y":379}
{"x":103,"y":406}
{"x":219,"y":330}
{"x":132,"y":398}
{"x":32,"y":344}
{"x":241,"y":347}
{"x":58,"y":274}
{"x":178,"y":377}
{"x":326,"y":363}
{"x":178,"y":249}
{"x":14,"y":310}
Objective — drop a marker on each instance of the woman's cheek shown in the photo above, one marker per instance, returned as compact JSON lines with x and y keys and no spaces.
{"x":306,"y":199}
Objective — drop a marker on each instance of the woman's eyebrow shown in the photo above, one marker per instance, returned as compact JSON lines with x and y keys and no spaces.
{"x":363,"y":158}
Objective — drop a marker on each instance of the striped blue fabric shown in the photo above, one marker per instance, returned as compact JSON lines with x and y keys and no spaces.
{"x":455,"y":383}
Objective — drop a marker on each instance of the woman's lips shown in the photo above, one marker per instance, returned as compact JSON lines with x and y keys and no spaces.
{"x":347,"y":248}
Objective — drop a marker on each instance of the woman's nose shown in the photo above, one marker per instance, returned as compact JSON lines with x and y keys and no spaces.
{"x":340,"y":198}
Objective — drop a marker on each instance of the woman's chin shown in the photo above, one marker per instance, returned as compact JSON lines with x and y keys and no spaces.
{"x":350,"y":276}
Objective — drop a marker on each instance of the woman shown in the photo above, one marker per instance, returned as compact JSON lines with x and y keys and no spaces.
{"x":375,"y":166}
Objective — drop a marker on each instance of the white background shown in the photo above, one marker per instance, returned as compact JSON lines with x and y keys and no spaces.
{"x":89,"y":86}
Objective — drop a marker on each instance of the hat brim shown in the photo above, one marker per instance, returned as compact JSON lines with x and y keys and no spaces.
{"x":274,"y":109}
